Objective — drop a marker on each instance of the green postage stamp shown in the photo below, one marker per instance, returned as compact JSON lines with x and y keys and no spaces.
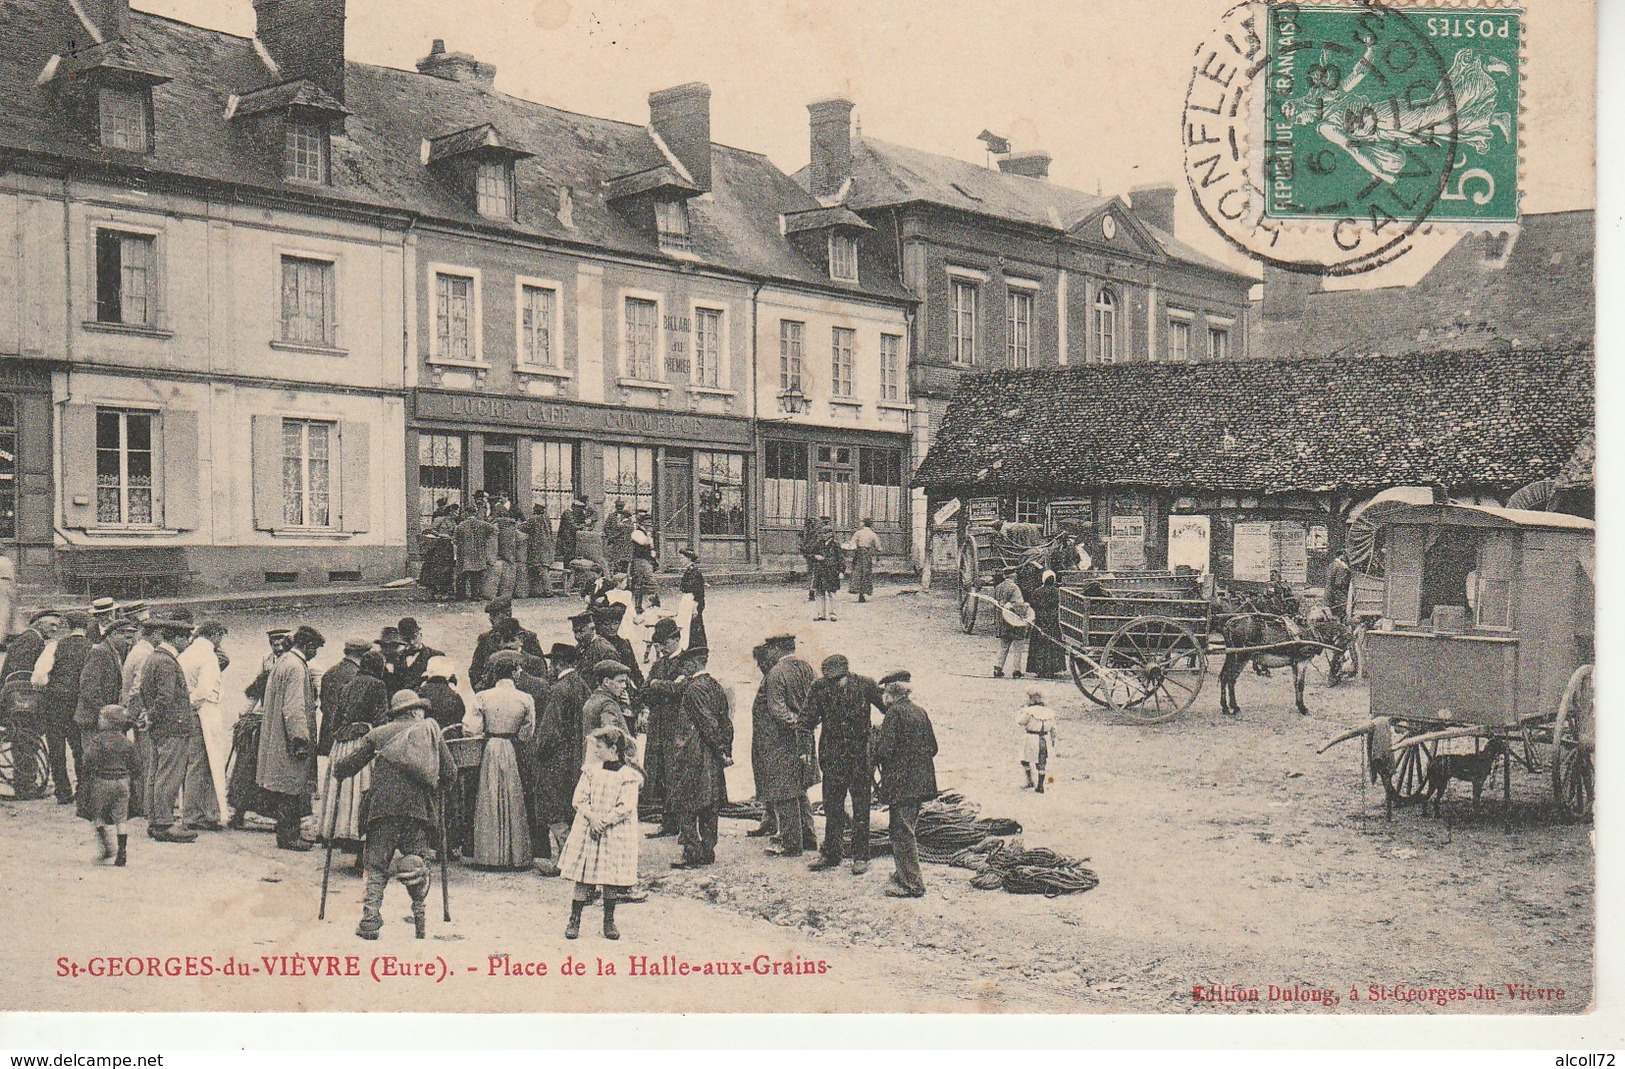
{"x":1394,"y":113}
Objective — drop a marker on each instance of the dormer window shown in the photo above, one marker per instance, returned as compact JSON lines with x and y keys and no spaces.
{"x":843,"y":257}
{"x":671,"y":224}
{"x":126,"y":119}
{"x":493,"y":189}
{"x":305,"y":151}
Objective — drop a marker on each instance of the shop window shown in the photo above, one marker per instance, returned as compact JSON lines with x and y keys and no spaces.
{"x":305,"y":152}
{"x":553,"y":476}
{"x":126,"y":119}
{"x":708,"y":347}
{"x":307,"y":473}
{"x":1020,"y":329}
{"x":880,"y":487}
{"x":642,"y":336}
{"x":124,"y":468}
{"x":784,"y":484}
{"x":440,"y":473}
{"x":629,"y":475}
{"x":308,"y":316}
{"x":1030,"y":509}
{"x":125,"y":292}
{"x":891,"y":367}
{"x":8,"y":469}
{"x":721,"y":479}
{"x":842,"y":340}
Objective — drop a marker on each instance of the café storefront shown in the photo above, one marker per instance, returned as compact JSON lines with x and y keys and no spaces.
{"x":689,"y":470}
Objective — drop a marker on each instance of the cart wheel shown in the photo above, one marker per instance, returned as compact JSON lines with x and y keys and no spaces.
{"x":968,"y":600}
{"x":1167,"y":663}
{"x":1574,"y":775}
{"x":1107,"y":688}
{"x":25,"y":770}
{"x":1405,"y":778}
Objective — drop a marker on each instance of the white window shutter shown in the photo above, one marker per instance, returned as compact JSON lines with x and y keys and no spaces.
{"x":79,"y":466}
{"x":181,"y":485}
{"x":355,"y":486}
{"x":267,"y":473}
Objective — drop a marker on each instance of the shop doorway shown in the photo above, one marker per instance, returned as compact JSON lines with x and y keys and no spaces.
{"x":835,"y":470}
{"x":676,"y":513}
{"x":499,"y":468}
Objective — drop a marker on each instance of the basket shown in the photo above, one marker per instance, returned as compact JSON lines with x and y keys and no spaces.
{"x":466,"y":753}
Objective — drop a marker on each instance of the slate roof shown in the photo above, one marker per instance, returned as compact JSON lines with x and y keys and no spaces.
{"x":378,"y":163}
{"x":884,"y":175}
{"x":298,"y":93}
{"x":1491,"y":420}
{"x":1540,"y":292}
{"x":822,"y":218}
{"x":483,"y":137}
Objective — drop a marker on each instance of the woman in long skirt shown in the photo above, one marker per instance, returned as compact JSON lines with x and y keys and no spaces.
{"x":503,"y":714}
{"x":602,"y":849}
{"x":1045,"y":656}
{"x":364,"y":704}
{"x":865,"y":546}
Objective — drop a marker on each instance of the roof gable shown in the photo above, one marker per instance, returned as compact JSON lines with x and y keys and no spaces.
{"x":1114,"y":226}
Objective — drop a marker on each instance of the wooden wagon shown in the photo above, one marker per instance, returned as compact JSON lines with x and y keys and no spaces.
{"x":1487,"y":634}
{"x":1137,"y":642}
{"x":986,"y":553}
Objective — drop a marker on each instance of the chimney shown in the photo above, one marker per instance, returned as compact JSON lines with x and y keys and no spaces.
{"x":456,"y":66}
{"x":1286,"y":293}
{"x":1034,"y":164}
{"x":305,"y":38}
{"x":681,"y":116}
{"x":831,"y":163}
{"x":1154,"y":204}
{"x":110,"y":17}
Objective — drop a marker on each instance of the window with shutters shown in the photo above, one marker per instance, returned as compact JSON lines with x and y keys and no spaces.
{"x":305,"y":151}
{"x":307,"y":473}
{"x":124,"y":468}
{"x":1019,"y":329}
{"x":308,"y":313}
{"x":642,"y":340}
{"x":126,"y":119}
{"x":962,"y":338}
{"x":792,"y":337}
{"x":538,"y":345}
{"x":842,"y":340}
{"x":708,"y":347}
{"x":126,"y":290}
{"x":456,"y":338}
{"x":671,"y":225}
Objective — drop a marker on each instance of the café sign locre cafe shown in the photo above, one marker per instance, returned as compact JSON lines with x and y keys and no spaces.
{"x":518,"y":413}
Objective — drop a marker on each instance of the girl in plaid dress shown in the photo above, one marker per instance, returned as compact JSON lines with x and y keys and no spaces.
{"x":603,"y":845}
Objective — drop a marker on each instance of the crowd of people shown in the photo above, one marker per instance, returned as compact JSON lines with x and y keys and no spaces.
{"x":381,"y":754}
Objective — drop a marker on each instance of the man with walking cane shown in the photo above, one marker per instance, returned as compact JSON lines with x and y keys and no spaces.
{"x":414,"y":768}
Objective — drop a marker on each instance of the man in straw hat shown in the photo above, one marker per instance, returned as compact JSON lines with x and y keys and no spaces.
{"x":702,"y":748}
{"x":287,"y":757}
{"x":400,"y":805}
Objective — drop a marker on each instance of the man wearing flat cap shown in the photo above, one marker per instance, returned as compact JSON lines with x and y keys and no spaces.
{"x":287,"y":757}
{"x":782,"y":745}
{"x":57,"y":674}
{"x":607,"y":618}
{"x":610,"y":704}
{"x":334,"y":680}
{"x":661,"y":695}
{"x":498,"y":610}
{"x":590,"y":647}
{"x":906,"y":753}
{"x":279,"y":639}
{"x":702,"y":748}
{"x":839,"y":704}
{"x":23,"y":651}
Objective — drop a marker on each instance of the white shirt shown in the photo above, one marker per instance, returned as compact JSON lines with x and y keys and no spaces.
{"x":202,"y":670}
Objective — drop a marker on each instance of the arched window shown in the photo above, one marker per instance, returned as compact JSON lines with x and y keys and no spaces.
{"x":1105,"y":351}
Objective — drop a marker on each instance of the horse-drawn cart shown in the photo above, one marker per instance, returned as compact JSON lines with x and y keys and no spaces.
{"x":1488,"y":642}
{"x":1137,"y":642}
{"x":987,"y":553}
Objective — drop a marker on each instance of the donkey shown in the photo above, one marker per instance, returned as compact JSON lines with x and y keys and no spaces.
{"x":1269,"y":641}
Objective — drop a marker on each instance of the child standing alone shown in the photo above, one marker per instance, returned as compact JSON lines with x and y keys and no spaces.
{"x":1037,"y":721}
{"x":602,"y":849}
{"x":105,"y":802}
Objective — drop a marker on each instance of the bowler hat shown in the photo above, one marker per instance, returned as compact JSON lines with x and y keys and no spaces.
{"x":835,"y":662}
{"x":404,"y":701}
{"x":788,"y":641}
{"x":581,"y":619}
{"x":390,"y":636}
{"x":502,"y":605}
{"x":666,"y":629}
{"x":409,"y":628}
{"x":562,"y":653}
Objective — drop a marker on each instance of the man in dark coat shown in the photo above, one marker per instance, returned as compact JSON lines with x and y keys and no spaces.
{"x":782,"y":748}
{"x":102,"y":681}
{"x":590,"y":646}
{"x":693,"y":585}
{"x":23,"y":651}
{"x":840,"y":703}
{"x":412,"y":659}
{"x":539,"y":549}
{"x":166,"y":703}
{"x":560,"y":747}
{"x":573,"y":520}
{"x":59,"y":700}
{"x":334,"y":680}
{"x":475,"y":541}
{"x":662,"y":694}
{"x":702,"y":748}
{"x":607,"y":618}
{"x":498,"y":610}
{"x":618,"y":539}
{"x":446,"y":706}
{"x":400,"y":811}
{"x":906,"y":753}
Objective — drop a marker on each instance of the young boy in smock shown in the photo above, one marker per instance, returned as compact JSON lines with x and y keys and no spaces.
{"x":1037,"y":722}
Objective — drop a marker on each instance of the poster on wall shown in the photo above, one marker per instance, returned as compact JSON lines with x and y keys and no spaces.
{"x":1251,"y":548}
{"x":1288,"y":542}
{"x":980,"y":511}
{"x":1125,"y":550}
{"x":1189,"y":543}
{"x":1071,"y":516}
